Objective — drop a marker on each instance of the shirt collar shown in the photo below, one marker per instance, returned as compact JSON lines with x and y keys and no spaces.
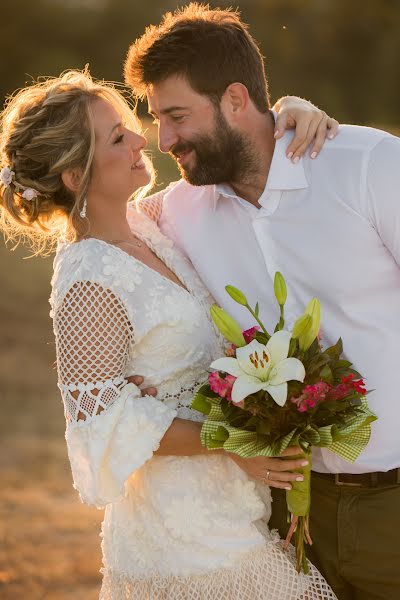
{"x":283,"y":173}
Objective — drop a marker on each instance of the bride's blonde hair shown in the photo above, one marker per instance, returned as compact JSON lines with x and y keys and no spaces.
{"x":45,"y":129}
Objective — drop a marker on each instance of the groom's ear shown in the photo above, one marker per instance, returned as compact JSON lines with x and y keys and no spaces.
{"x":235,"y":100}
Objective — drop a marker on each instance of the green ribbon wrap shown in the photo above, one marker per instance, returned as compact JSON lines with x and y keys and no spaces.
{"x":347,"y":439}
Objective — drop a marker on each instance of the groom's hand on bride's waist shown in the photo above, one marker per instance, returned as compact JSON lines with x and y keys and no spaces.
{"x":138,"y":380}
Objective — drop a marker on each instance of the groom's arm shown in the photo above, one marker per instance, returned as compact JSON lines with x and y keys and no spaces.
{"x":382,"y":193}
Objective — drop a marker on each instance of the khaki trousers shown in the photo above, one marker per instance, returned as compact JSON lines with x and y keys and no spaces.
{"x":356,"y":537}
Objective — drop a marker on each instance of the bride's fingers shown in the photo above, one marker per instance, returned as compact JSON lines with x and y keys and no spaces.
{"x":279,"y":479}
{"x":281,"y":485}
{"x":327,"y":128}
{"x":333,"y":127}
{"x":299,"y":140}
{"x":320,"y":136}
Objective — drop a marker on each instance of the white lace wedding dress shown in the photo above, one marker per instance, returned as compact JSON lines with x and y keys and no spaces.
{"x":175,"y":528}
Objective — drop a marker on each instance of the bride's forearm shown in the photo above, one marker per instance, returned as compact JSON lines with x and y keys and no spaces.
{"x":182,"y":439}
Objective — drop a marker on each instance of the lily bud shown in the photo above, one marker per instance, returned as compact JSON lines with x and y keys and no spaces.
{"x":227,"y":325}
{"x":302,"y":325}
{"x":314,"y":310}
{"x":280,"y":288}
{"x":236,"y":295}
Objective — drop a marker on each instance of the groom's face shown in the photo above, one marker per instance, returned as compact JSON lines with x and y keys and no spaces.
{"x":196,"y":134}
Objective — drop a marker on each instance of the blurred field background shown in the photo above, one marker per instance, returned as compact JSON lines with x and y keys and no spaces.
{"x":344,"y":56}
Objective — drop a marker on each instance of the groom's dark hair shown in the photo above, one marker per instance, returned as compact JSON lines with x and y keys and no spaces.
{"x":211,"y":48}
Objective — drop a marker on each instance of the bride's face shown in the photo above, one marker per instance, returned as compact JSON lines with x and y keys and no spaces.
{"x":118,"y":169}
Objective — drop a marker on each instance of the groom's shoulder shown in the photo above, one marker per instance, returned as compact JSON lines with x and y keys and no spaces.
{"x":183,"y":195}
{"x":357,"y":138}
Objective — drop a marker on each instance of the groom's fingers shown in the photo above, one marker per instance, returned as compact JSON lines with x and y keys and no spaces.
{"x":150,"y":391}
{"x":138,"y":380}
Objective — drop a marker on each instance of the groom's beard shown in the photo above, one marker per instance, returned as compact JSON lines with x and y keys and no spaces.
{"x":220,"y":157}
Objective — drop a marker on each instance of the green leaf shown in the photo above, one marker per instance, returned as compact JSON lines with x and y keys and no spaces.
{"x":336,"y":350}
{"x":257,"y":310}
{"x":326,"y":375}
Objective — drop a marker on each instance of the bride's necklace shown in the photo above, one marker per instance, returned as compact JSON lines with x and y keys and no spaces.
{"x":135,"y":243}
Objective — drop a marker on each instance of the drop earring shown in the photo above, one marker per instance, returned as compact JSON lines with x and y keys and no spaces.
{"x":83,"y":210}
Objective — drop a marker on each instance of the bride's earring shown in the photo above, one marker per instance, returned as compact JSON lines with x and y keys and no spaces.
{"x":83,"y":210}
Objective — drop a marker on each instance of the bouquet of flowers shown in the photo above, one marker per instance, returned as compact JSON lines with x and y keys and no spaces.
{"x":274,"y":391}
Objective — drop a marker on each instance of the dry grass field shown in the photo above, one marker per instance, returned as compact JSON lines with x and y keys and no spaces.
{"x":49,"y":544}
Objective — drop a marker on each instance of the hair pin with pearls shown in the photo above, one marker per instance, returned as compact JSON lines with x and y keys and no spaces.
{"x":7,"y":177}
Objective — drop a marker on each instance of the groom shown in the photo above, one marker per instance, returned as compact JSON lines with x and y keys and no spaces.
{"x":331,"y":226}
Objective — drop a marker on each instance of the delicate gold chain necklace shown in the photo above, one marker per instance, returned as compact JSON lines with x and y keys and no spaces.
{"x":135,"y":244}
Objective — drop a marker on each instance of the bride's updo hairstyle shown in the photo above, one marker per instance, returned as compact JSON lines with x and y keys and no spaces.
{"x":45,"y":129}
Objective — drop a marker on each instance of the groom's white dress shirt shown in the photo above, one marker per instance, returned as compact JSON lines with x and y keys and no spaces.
{"x":332,"y":227}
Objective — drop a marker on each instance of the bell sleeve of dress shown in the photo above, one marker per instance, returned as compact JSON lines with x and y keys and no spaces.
{"x":111,"y":429}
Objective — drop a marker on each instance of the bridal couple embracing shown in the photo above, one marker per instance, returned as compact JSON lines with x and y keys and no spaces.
{"x":133,"y":284}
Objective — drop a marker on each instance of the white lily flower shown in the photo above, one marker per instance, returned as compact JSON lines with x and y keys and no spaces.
{"x":262,"y":367}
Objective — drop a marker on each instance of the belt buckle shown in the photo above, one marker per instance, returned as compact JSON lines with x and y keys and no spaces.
{"x":338,"y":482}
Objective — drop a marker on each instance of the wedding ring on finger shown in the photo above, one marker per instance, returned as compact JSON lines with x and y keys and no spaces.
{"x":266,"y":478}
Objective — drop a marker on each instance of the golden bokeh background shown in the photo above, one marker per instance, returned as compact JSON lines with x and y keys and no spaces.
{"x":344,"y":56}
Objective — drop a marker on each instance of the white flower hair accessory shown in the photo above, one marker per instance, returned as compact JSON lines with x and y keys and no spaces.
{"x":30,"y":194}
{"x":7,"y":177}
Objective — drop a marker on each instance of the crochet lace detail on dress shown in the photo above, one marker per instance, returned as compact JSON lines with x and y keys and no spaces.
{"x":93,"y":335}
{"x":266,"y":573}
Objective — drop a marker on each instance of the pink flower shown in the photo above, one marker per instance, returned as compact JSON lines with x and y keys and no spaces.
{"x":221,"y":385}
{"x":311,"y":396}
{"x":348,"y":386}
{"x":250,"y":334}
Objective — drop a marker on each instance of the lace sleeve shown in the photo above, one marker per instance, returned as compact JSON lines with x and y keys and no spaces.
{"x":93,"y":337}
{"x":111,"y":429}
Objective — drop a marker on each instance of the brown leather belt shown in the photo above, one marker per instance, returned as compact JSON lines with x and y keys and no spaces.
{"x":363,"y":479}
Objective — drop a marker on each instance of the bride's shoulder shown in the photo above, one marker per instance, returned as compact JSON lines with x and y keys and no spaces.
{"x":84,"y":260}
{"x":71,"y":255}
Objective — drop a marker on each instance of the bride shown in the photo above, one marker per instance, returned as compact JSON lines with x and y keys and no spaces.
{"x":181,"y":522}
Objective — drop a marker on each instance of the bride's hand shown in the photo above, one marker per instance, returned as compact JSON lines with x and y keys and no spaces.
{"x":275,"y":472}
{"x":312,"y":126}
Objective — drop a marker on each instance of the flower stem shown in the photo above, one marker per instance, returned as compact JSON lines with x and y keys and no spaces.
{"x":258,"y":320}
